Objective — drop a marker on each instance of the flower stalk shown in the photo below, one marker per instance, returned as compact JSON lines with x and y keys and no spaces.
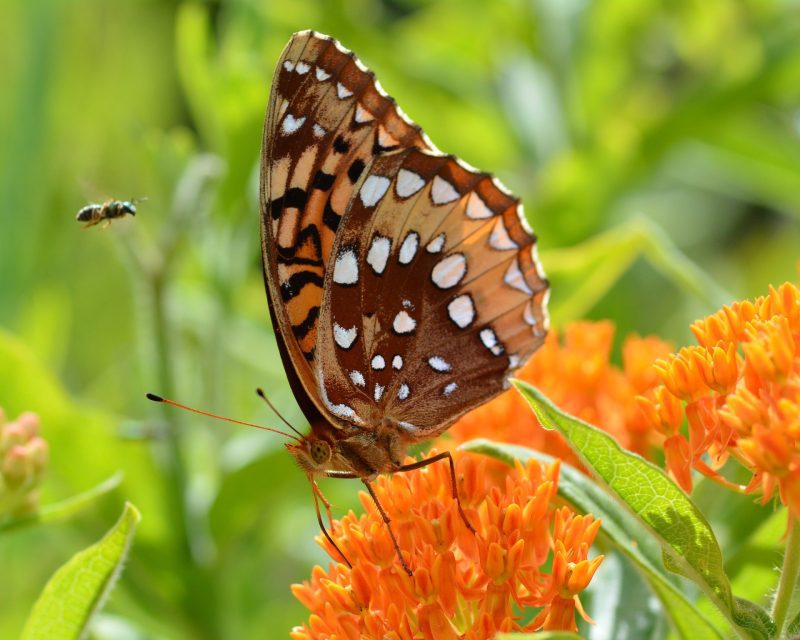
{"x":789,"y":574}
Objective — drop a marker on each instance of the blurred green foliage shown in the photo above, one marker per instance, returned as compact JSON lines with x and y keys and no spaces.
{"x":656,"y":146}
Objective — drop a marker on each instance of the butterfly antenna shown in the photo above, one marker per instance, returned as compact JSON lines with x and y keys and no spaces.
{"x":263,"y":395}
{"x":155,"y":398}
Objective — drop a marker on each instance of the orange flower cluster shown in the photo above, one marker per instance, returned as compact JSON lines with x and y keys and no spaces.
{"x":740,"y":393}
{"x":576,"y":375}
{"x":464,"y":585}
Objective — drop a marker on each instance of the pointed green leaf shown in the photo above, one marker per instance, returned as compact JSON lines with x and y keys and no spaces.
{"x":79,"y":588}
{"x":630,"y":536}
{"x":674,"y":520}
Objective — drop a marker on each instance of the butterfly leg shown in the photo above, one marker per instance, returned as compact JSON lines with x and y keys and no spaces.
{"x":387,"y":521}
{"x":325,"y":502}
{"x":315,"y":491}
{"x":436,"y":458}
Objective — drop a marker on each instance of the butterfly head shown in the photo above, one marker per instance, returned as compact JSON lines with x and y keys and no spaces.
{"x":312,"y":454}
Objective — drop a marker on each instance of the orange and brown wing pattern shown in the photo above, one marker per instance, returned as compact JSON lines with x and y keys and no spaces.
{"x":434,"y":296}
{"x":327,"y":119}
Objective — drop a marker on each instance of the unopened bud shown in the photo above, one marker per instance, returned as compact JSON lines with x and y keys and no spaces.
{"x":11,"y":435}
{"x":17,"y":467}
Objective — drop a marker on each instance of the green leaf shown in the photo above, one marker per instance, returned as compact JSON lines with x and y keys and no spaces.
{"x":79,"y":588}
{"x":628,"y":533}
{"x":681,"y":529}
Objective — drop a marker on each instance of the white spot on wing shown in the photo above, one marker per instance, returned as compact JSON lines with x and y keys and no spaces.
{"x":513,"y":361}
{"x":397,"y":362}
{"x":404,"y":323}
{"x":378,"y":363}
{"x":357,"y":378}
{"x":437,"y":244}
{"x":524,"y":220}
{"x":449,"y":389}
{"x":318,"y":131}
{"x":302,"y":68}
{"x":408,"y":183}
{"x":345,"y":270}
{"x":409,"y":247}
{"x":288,"y":65}
{"x":291,"y":124}
{"x":490,"y":341}
{"x":339,"y":410}
{"x":378,"y":392}
{"x":442,"y":191}
{"x":362,"y":115}
{"x":379,"y":253}
{"x":342,"y":91}
{"x":403,"y":392}
{"x":499,"y":239}
{"x":437,"y":363}
{"x":344,"y":337}
{"x":515,"y":279}
{"x":461,"y":311}
{"x":322,"y":75}
{"x":476,"y":208}
{"x":449,"y":271}
{"x":501,"y":186}
{"x":373,"y":190}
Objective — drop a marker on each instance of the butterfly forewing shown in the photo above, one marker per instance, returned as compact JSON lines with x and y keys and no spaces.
{"x":432,"y":297}
{"x":327,"y":120}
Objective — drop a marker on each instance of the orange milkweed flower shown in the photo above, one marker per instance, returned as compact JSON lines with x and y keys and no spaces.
{"x":465,"y":586}
{"x":739,"y":390}
{"x":576,"y":373}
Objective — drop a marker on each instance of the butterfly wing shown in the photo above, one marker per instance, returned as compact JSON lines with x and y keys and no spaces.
{"x":327,"y":119}
{"x":433,"y":297}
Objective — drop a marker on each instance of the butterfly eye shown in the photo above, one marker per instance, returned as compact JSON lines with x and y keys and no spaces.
{"x":320,"y":451}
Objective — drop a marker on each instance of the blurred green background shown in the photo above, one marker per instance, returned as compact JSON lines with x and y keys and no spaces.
{"x":656,"y":146}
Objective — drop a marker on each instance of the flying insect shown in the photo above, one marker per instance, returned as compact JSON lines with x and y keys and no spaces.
{"x":93,"y":214}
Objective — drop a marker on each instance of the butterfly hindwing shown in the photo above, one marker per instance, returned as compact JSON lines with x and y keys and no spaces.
{"x":327,"y":119}
{"x":433,"y":295}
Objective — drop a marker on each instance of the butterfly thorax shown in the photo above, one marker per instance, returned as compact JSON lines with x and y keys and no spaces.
{"x":363,"y":453}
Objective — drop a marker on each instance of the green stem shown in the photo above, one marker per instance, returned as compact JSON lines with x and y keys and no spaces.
{"x":788,"y":581}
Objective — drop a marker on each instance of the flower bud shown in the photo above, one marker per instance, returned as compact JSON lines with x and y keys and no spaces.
{"x":17,"y":467}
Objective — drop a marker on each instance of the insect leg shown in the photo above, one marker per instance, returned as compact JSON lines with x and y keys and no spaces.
{"x":314,"y":490}
{"x":388,"y":524}
{"x":436,"y":458}
{"x":322,"y":497}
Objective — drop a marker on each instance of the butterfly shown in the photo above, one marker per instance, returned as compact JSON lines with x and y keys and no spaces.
{"x":403,"y":285}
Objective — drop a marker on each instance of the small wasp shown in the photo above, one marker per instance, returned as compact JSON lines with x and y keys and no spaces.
{"x":93,"y":214}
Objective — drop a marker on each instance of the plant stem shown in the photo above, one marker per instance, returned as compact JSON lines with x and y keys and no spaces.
{"x":788,"y":581}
